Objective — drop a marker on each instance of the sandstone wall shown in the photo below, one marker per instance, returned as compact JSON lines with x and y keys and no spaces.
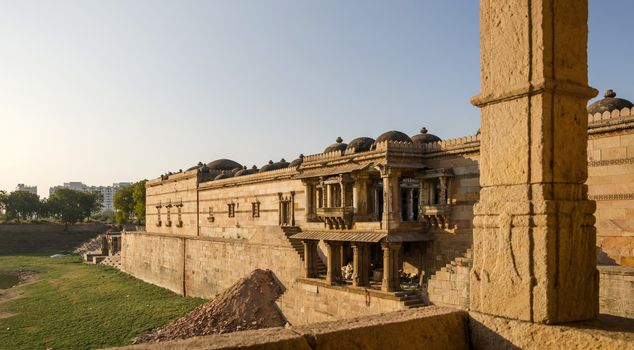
{"x":168,"y":195}
{"x":611,"y":185}
{"x":616,"y":291}
{"x":204,"y":266}
{"x":308,"y":303}
{"x":214,"y":208}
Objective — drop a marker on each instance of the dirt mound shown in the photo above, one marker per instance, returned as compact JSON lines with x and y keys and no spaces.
{"x":248,"y":304}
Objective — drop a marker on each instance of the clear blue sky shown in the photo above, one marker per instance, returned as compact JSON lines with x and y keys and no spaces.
{"x":108,"y":91}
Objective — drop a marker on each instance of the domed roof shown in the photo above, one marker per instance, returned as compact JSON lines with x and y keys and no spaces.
{"x":609,"y":103}
{"x":223,"y":175}
{"x":297,"y":162}
{"x":223,"y":164}
{"x":361,"y":144}
{"x":424,"y":137}
{"x":274,"y":166}
{"x":246,"y":171}
{"x":199,"y":165}
{"x":337,"y":146}
{"x":393,"y":135}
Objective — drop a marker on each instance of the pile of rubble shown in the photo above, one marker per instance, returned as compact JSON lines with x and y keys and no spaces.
{"x":93,"y":245}
{"x":248,"y":304}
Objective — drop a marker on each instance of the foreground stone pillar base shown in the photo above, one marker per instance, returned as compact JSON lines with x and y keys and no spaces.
{"x":534,"y":237}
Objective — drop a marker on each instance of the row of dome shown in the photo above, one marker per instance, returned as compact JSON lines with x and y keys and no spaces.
{"x":226,"y":168}
{"x":362,"y":144}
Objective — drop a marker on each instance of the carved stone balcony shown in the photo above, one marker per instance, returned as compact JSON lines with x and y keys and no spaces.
{"x":436,"y":216}
{"x":339,"y":218}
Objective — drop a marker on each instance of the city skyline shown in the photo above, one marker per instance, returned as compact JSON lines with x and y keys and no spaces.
{"x":240,"y":80}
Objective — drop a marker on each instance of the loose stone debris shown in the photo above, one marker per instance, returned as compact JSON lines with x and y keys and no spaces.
{"x":248,"y":304}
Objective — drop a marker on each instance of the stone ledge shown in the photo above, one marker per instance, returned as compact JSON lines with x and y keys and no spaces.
{"x":424,"y":328}
{"x":616,"y":270}
{"x":606,"y":332}
{"x":349,"y":289}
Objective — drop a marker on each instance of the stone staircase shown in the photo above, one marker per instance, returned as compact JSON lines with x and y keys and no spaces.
{"x":299,"y":247}
{"x":411,"y":299}
{"x":113,"y":261}
{"x":450,"y":285}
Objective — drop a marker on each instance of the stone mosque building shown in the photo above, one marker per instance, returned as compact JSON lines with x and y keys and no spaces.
{"x":367,"y":226}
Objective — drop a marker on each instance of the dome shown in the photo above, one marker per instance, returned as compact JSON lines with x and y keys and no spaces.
{"x":361,"y":144}
{"x":274,"y":166}
{"x":199,"y":165}
{"x":337,"y":146}
{"x":223,"y":175}
{"x":246,"y":171}
{"x":609,"y":104}
{"x":424,"y":137}
{"x":223,"y":164}
{"x":393,"y":136}
{"x":297,"y":162}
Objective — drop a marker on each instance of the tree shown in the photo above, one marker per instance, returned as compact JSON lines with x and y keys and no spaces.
{"x":123,"y":202}
{"x":3,"y":200}
{"x":21,"y":205}
{"x":138,"y":196}
{"x":71,"y":206}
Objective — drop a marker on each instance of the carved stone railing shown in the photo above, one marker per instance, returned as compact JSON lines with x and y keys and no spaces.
{"x":339,"y":218}
{"x":436,"y":216}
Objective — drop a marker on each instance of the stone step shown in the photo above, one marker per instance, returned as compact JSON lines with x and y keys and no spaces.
{"x":419,"y":303}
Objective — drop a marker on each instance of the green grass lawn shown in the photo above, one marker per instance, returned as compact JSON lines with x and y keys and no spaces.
{"x":72,"y":305}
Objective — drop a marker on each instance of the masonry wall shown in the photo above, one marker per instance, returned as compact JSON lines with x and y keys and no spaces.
{"x":204,"y":266}
{"x":616,"y":290}
{"x":214,"y":208}
{"x":168,"y":195}
{"x":611,"y":185}
{"x":464,"y":192}
{"x":308,"y":303}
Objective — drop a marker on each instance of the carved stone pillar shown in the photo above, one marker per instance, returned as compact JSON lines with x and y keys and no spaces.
{"x":534,"y":236}
{"x":391,"y":279}
{"x":342,"y":197}
{"x":410,"y":204}
{"x":443,"y":190}
{"x":310,"y":258}
{"x":329,"y":197}
{"x":360,"y":198}
{"x":333,"y":250}
{"x":391,"y":199}
{"x":310,"y":201}
{"x":360,"y":264}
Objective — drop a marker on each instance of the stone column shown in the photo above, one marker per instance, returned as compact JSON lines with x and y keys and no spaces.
{"x":310,"y":256}
{"x":342,"y":198}
{"x":443,"y":190}
{"x":360,"y":198}
{"x":534,"y":236}
{"x":391,"y":279}
{"x":410,"y":204}
{"x":360,"y":264}
{"x":391,"y":199}
{"x":310,"y":201}
{"x":333,"y":273}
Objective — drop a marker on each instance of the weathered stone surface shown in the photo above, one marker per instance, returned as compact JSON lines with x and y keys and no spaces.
{"x":425,"y":328}
{"x":534,"y":238}
{"x":608,"y":332}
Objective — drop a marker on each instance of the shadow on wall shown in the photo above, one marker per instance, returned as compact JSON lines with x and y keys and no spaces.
{"x":483,"y":337}
{"x":603,"y":258}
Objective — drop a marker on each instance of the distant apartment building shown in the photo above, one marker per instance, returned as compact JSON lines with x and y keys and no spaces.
{"x":26,"y":188}
{"x":107,"y":192}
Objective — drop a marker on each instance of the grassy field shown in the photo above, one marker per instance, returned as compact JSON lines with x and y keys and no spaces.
{"x":71,"y":305}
